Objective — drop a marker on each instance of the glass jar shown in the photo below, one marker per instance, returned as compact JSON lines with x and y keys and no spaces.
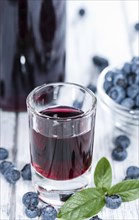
{"x":32,"y":48}
{"x":117,"y":119}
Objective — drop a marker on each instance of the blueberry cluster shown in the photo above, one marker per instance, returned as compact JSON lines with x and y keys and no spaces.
{"x":31,"y":201}
{"x":122,"y":85}
{"x":132,"y":172}
{"x":9,"y":171}
{"x":121,"y":143}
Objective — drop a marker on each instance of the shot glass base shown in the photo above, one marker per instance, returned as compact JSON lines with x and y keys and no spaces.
{"x":57,"y":192}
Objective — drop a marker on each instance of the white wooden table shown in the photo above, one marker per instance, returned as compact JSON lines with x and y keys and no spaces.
{"x":107,"y":29}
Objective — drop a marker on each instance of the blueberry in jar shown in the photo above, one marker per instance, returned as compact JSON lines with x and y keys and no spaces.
{"x":117,"y":93}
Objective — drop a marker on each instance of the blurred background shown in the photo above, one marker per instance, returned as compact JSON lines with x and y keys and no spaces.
{"x":106,"y":28}
{"x":56,"y":40}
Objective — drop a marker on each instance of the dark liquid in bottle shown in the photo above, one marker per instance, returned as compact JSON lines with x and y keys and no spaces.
{"x":32,"y":50}
{"x":61,"y":158}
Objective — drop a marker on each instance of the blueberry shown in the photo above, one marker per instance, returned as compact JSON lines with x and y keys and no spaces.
{"x":128,"y":103}
{"x":137,"y":79}
{"x":119,"y":154}
{"x":131,"y":78}
{"x":110,"y":75}
{"x":33,"y":212}
{"x":26,"y":172}
{"x":30,"y":199}
{"x":117,"y":93}
{"x":133,"y":172}
{"x":65,"y":197}
{"x":12,"y":175}
{"x":137,"y":100}
{"x":126,"y":69}
{"x":95,"y":218}
{"x":135,"y":59}
{"x":122,"y":141}
{"x":137,"y":26}
{"x":107,"y":86}
{"x":135,"y":67}
{"x":81,"y":12}
{"x":132,"y":91}
{"x":92,"y":88}
{"x":120,"y":80}
{"x":5,"y":165}
{"x":100,"y":62}
{"x":3,"y":153}
{"x":77,"y":104}
{"x":128,"y":178}
{"x":48,"y":213}
{"x":113,"y":201}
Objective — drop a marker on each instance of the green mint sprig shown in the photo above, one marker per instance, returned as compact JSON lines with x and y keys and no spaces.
{"x":88,"y":202}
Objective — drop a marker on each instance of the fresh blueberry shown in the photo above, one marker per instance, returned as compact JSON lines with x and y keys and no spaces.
{"x":5,"y":165}
{"x":77,"y":104}
{"x":135,"y":59}
{"x":135,"y":67}
{"x":81,"y":12}
{"x":109,"y":75}
{"x":128,"y":103}
{"x":33,"y":212}
{"x":137,"y":26}
{"x":95,"y":218}
{"x":65,"y":197}
{"x":132,"y":91}
{"x":122,"y":141}
{"x":12,"y":175}
{"x":137,"y":79}
{"x":131,"y":78}
{"x":137,"y":100}
{"x":113,"y":201}
{"x":92,"y":88}
{"x":100,"y":62}
{"x":107,"y":86}
{"x":3,"y":153}
{"x":26,"y":172}
{"x":30,"y":199}
{"x":133,"y":172}
{"x":128,"y":178}
{"x":119,"y":154}
{"x":120,"y":80}
{"x":117,"y":93}
{"x":126,"y":69}
{"x":48,"y":213}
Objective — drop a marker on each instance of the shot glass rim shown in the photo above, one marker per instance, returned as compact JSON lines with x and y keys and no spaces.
{"x":89,"y":112}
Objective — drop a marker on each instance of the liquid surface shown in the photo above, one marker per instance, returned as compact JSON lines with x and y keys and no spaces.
{"x":61,"y":158}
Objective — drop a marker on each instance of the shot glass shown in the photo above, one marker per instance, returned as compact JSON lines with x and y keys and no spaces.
{"x":61,"y":131}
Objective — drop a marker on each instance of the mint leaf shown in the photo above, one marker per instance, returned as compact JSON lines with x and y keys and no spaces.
{"x":103,"y":174}
{"x":128,"y":190}
{"x":83,"y":204}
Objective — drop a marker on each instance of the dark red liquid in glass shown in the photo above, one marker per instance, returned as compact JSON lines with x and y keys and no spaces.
{"x":32,"y":48}
{"x":61,"y":158}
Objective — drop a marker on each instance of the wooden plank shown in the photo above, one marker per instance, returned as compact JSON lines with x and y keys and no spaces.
{"x":7,"y":140}
{"x":23,"y":157}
